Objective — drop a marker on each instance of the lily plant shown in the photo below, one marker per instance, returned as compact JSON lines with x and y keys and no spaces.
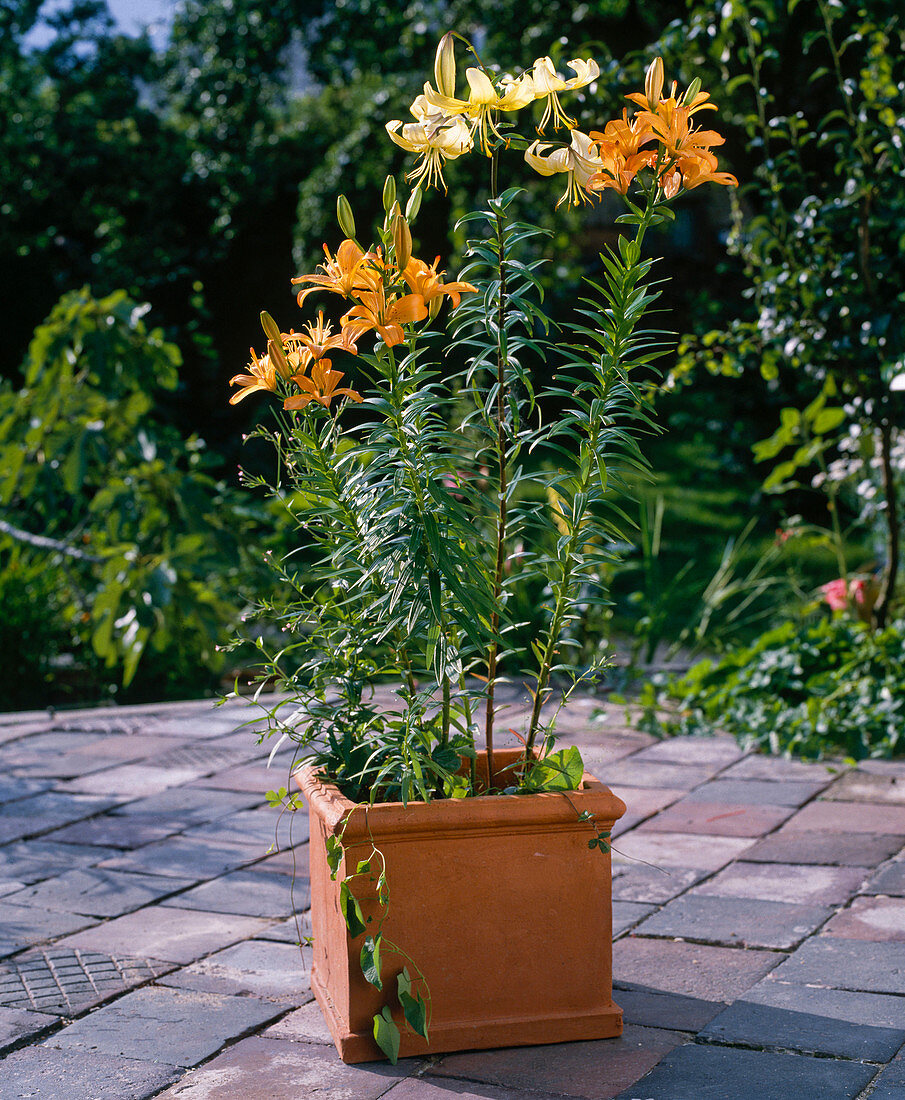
{"x":421,"y":462}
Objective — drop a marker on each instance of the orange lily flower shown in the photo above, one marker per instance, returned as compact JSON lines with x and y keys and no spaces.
{"x":321,"y":387}
{"x":386,"y":317}
{"x":701,"y":168}
{"x":621,"y":153}
{"x":425,"y":281}
{"x":305,"y":348}
{"x":262,"y":376}
{"x":350,"y":270}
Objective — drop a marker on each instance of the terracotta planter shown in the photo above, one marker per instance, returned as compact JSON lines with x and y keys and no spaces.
{"x":497,"y":899}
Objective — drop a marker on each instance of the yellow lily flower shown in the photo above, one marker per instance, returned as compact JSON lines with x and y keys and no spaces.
{"x":483,"y":102}
{"x":436,"y":136}
{"x":547,"y":84}
{"x":579,"y":159}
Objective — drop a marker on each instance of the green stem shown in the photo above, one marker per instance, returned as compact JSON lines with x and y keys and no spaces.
{"x":503,"y":463}
{"x":564,"y":590}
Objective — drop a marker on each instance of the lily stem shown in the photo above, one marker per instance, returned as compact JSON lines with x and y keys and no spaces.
{"x":503,"y":460}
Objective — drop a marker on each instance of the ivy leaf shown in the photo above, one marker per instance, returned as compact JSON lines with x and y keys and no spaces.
{"x":351,"y":911}
{"x":370,"y":961}
{"x":334,"y":855}
{"x":558,"y":771}
{"x":413,"y":1008}
{"x":386,"y":1034}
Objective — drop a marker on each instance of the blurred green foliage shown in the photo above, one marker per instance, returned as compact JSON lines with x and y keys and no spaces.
{"x":111,"y":528}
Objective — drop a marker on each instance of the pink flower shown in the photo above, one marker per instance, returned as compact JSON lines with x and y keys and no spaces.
{"x":860,"y":592}
{"x":836,"y":594}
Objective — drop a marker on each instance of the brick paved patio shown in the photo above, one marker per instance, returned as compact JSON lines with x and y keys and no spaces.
{"x":148,"y":947}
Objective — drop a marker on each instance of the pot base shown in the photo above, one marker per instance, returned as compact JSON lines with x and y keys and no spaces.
{"x":355,"y":1047}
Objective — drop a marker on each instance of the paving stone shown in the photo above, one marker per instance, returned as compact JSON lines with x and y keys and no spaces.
{"x":261,"y":829}
{"x":589,"y":1069}
{"x":861,"y":786}
{"x":35,"y":750}
{"x":22,"y":926}
{"x":258,"y":1067}
{"x":42,"y":812}
{"x":878,"y":919}
{"x":253,"y":778}
{"x":419,"y":1088}
{"x":602,"y":751}
{"x":189,"y":860}
{"x":39,"y":1071}
{"x":839,"y":817}
{"x":101,"y":754}
{"x":304,"y":1025}
{"x":628,"y":913}
{"x":870,"y":1009}
{"x":641,"y":803}
{"x":65,"y":982}
{"x":98,"y":892}
{"x":187,"y":1026}
{"x":761,"y":766}
{"x":890,"y":1083}
{"x":757,"y":792}
{"x":248,"y":893}
{"x":114,"y":831}
{"x":14,"y":788}
{"x":685,"y":850}
{"x":733,"y":921}
{"x":858,"y":965}
{"x":696,"y":1072}
{"x":170,"y":934}
{"x":768,"y":1027}
{"x":30,"y":861}
{"x":667,"y":1010}
{"x":692,"y":969}
{"x":654,"y":885}
{"x":188,"y":806}
{"x":790,"y":882}
{"x":17,"y":1024}
{"x":133,"y":781}
{"x":294,"y":930}
{"x":289,"y":861}
{"x":883,"y":767}
{"x":709,"y":752}
{"x":717,"y":819}
{"x":833,"y":849}
{"x":888,"y":880}
{"x":640,"y":773}
{"x":276,"y":971}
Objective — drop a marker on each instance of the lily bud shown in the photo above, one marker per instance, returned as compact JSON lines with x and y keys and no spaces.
{"x":402,"y":241}
{"x":270,"y":327}
{"x":413,"y":205}
{"x":344,"y":216}
{"x":278,"y":358}
{"x":445,"y":66}
{"x":693,"y":88}
{"x":653,"y":83}
{"x":389,"y":194}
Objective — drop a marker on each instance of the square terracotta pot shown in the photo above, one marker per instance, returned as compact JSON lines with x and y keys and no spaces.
{"x":498,"y":900}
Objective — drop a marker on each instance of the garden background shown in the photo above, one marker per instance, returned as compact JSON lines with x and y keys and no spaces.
{"x":158,"y":191}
